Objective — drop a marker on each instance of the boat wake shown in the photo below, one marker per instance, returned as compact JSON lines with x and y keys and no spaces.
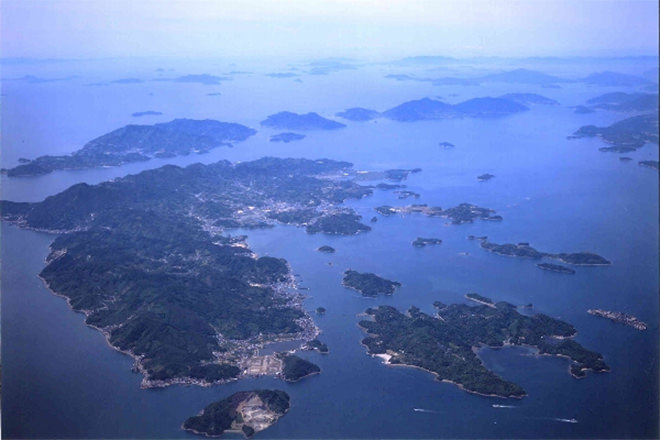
{"x":504,"y":406}
{"x":565,"y":420}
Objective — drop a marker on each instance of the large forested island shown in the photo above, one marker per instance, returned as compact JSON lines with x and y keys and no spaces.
{"x":146,"y":258}
{"x":246,"y":411}
{"x":369,"y":284}
{"x":447,"y":344}
{"x":626,"y":135}
{"x":134,"y":143}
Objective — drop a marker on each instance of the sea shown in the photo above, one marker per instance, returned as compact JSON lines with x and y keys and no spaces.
{"x":60,"y":379}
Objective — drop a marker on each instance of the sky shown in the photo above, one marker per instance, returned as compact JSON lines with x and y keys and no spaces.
{"x":352,"y":28}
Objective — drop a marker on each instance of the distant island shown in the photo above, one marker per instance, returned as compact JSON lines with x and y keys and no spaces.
{"x":202,"y":304}
{"x":649,"y":164}
{"x":614,"y":79}
{"x":287,"y":137}
{"x":447,"y":345}
{"x":430,"y":109}
{"x":247,"y":412}
{"x":526,"y":251}
{"x":624,"y":136}
{"x":446,"y":145}
{"x":555,"y":268}
{"x":619,"y":317}
{"x":421,"y":242}
{"x":326,"y":249}
{"x":294,"y":121}
{"x":146,"y":113}
{"x":485,"y":177}
{"x":463,"y":213}
{"x":625,"y":102}
{"x":529,"y":99}
{"x":134,"y":143}
{"x":369,"y":284}
{"x":358,"y":114}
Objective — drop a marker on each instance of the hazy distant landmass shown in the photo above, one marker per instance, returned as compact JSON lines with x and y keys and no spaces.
{"x":522,"y":76}
{"x":283,"y":75}
{"x":203,"y":78}
{"x":134,"y":143}
{"x":625,"y":135}
{"x":529,"y":99}
{"x":369,"y":284}
{"x":145,"y":259}
{"x":429,"y":109}
{"x":525,"y":250}
{"x":649,"y":164}
{"x":446,"y":345}
{"x":294,"y":121}
{"x":325,"y":67}
{"x":614,"y":79}
{"x":146,"y":113}
{"x":358,"y":114}
{"x":287,"y":137}
{"x":422,"y":242}
{"x":625,"y":102}
{"x":245,"y":411}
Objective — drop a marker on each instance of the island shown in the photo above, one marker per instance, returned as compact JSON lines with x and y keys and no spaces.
{"x":625,"y":159}
{"x":555,"y":268}
{"x":320,"y":310}
{"x":529,"y":99}
{"x":485,"y":177}
{"x":446,"y":145}
{"x":447,"y":345}
{"x":463,"y":213}
{"x":614,"y":79}
{"x":526,"y":251}
{"x":369,"y":284}
{"x":404,"y":194}
{"x":430,"y":109}
{"x":625,"y":102}
{"x":146,"y":113}
{"x":649,"y":164}
{"x":148,"y":260}
{"x":421,"y":242}
{"x":287,"y":137}
{"x":294,"y":121}
{"x":358,"y":114}
{"x":326,"y":249}
{"x":619,"y":317}
{"x":626,"y":135}
{"x":134,"y":143}
{"x":296,"y":368}
{"x":247,"y":412}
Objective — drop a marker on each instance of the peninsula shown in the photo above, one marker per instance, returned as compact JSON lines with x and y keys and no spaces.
{"x":626,"y":135}
{"x":134,"y":143}
{"x":246,"y":411}
{"x":448,"y":344}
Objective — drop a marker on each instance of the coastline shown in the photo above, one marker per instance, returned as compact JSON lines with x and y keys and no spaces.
{"x":280,"y":288}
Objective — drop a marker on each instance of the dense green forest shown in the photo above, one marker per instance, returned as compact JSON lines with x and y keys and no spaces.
{"x":444,"y":344}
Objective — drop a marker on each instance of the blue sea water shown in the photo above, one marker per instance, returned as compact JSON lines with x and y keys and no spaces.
{"x":61,"y":379}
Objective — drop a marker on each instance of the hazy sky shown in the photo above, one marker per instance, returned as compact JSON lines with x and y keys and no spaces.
{"x":378,"y":28}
